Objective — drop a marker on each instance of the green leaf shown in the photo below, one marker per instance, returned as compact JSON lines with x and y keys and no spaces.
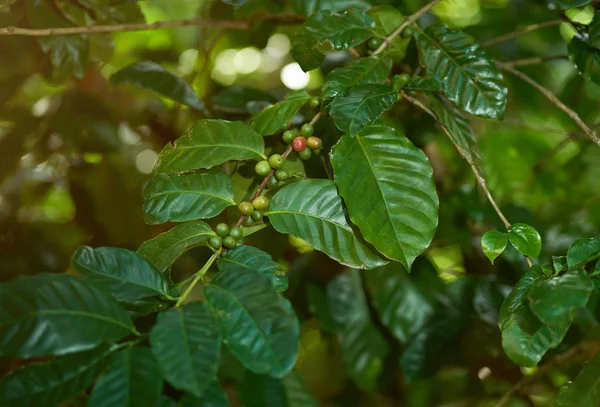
{"x":308,"y":7}
{"x":493,"y":244}
{"x":164,"y":249}
{"x":305,"y":52}
{"x":126,"y":275}
{"x":133,"y":380}
{"x":179,"y":198}
{"x":210,"y":143}
{"x":568,"y":4}
{"x":236,"y":3}
{"x":525,"y":239}
{"x":468,"y":76}
{"x":213,"y":396}
{"x":187,"y":344}
{"x":526,"y":340}
{"x":423,"y":85}
{"x":594,"y":31}
{"x":363,"y":348}
{"x":387,"y":19}
{"x":554,"y":300}
{"x":39,"y":314}
{"x":279,"y":116}
{"x":583,"y":251}
{"x":235,"y":100}
{"x":259,"y":326}
{"x":387,"y":184}
{"x":586,"y":59}
{"x":363,"y":71}
{"x":401,"y":306}
{"x":312,"y":210}
{"x":362,"y":106}
{"x":266,"y":391}
{"x":581,"y":15}
{"x":151,"y":76}
{"x":518,"y":294}
{"x":51,"y":383}
{"x":584,"y":391}
{"x":559,"y":263}
{"x":253,"y":259}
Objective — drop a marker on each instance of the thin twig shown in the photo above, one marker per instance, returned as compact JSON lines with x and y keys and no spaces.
{"x":550,"y":96}
{"x":410,"y":20}
{"x":527,"y":29}
{"x":198,"y":277}
{"x":104,"y":29}
{"x":535,"y":60}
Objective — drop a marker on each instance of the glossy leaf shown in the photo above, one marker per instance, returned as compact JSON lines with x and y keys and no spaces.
{"x":387,"y":19}
{"x":266,"y":391}
{"x":133,"y":380}
{"x":53,"y":382}
{"x":312,"y":210}
{"x":126,"y":275}
{"x":468,"y":76}
{"x":38,"y":315}
{"x":164,"y":249}
{"x":213,"y":396}
{"x":179,"y":198}
{"x":517,"y":296}
{"x":253,"y":259}
{"x":151,"y":76}
{"x":235,"y":100}
{"x":259,"y":326}
{"x":554,"y":300}
{"x":423,"y":85}
{"x":559,"y":263}
{"x":586,"y":59}
{"x":308,"y":7}
{"x":279,"y":116}
{"x":401,"y":306}
{"x":493,"y":244}
{"x":583,"y":251}
{"x":363,"y":71}
{"x":568,"y":4}
{"x":305,"y":52}
{"x":387,"y":184}
{"x":210,"y":143}
{"x":525,"y":239}
{"x":594,"y":31}
{"x":187,"y":343}
{"x":361,"y":107}
{"x":584,"y":391}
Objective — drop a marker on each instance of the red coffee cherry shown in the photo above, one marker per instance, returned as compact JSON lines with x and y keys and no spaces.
{"x":299,"y":144}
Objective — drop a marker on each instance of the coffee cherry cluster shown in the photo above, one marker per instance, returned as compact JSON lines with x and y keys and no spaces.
{"x":303,"y":139}
{"x":228,"y":237}
{"x":253,"y":212}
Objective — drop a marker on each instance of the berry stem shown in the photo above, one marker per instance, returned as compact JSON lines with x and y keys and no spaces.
{"x":198,"y":276}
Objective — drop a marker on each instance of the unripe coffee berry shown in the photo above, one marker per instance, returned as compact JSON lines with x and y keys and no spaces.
{"x":307,"y":130}
{"x":400,"y":81}
{"x":281,"y":175}
{"x":375,"y":43}
{"x":236,"y":233}
{"x":305,"y":154}
{"x":216,"y":242}
{"x":276,"y":161}
{"x":229,"y":242}
{"x":257,"y":215}
{"x":408,"y":31}
{"x":314,"y":143}
{"x":289,"y":135}
{"x":261,"y":203}
{"x":262,"y":168}
{"x":248,"y":221}
{"x":299,"y":144}
{"x":222,"y":230}
{"x":315,"y":102}
{"x":246,"y":208}
{"x":273,"y":182}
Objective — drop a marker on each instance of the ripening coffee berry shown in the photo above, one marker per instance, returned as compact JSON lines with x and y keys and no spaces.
{"x":262,"y":168}
{"x":314,"y":143}
{"x":236,"y":233}
{"x":273,"y":182}
{"x":307,"y":130}
{"x":222,"y":230}
{"x":276,"y":161}
{"x":314,"y":102}
{"x":281,"y":175}
{"x":257,"y":215}
{"x":216,"y":242}
{"x":246,"y":208}
{"x":375,"y":43}
{"x":305,"y":154}
{"x":229,"y":242}
{"x":299,"y":144}
{"x":248,"y":221}
{"x":261,"y":203}
{"x":289,"y":135}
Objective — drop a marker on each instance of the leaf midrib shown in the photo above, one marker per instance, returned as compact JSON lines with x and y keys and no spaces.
{"x":69,"y":312}
{"x":122,"y":279}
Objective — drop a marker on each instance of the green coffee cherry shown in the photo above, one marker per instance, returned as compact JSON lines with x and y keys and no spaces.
{"x":236,"y":233}
{"x":257,"y":215}
{"x":229,"y":242}
{"x":408,"y":31}
{"x":314,"y":102}
{"x":216,"y":242}
{"x":222,"y":230}
{"x":307,"y":130}
{"x":262,"y":168}
{"x":314,"y":143}
{"x":248,"y":221}
{"x":246,"y":208}
{"x":273,"y":182}
{"x":305,"y":154}
{"x":281,"y":175}
{"x":261,"y":203}
{"x":399,"y":82}
{"x":289,"y":135}
{"x":375,"y":43}
{"x":276,"y":161}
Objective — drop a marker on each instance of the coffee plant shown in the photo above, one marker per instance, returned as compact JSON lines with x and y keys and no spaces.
{"x":336,"y":232}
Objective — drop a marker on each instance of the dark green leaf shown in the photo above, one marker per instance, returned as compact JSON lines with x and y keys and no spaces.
{"x":361,"y":107}
{"x":259,"y":326}
{"x":525,"y":239}
{"x":488,"y":298}
{"x":517,"y":295}
{"x":305,"y":52}
{"x":251,"y":258}
{"x":278,"y":116}
{"x":586,"y":59}
{"x":187,"y":343}
{"x":594,"y":31}
{"x":149,"y":75}
{"x":126,"y":275}
{"x":210,"y":143}
{"x":568,"y":4}
{"x":49,"y":384}
{"x":308,"y":7}
{"x":133,"y":380}
{"x":387,"y":184}
{"x":554,"y":300}
{"x":164,"y":249}
{"x":235,"y":100}
{"x":402,"y":307}
{"x":266,"y":391}
{"x":39,"y":314}
{"x":179,"y":198}
{"x":213,"y":396}
{"x":312,"y":210}
{"x":583,"y":251}
{"x":468,"y":76}
{"x":423,"y":85}
{"x":387,"y":19}
{"x":493,"y":244}
{"x":362,"y":71}
{"x":559,"y":263}
{"x":584,"y":391}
